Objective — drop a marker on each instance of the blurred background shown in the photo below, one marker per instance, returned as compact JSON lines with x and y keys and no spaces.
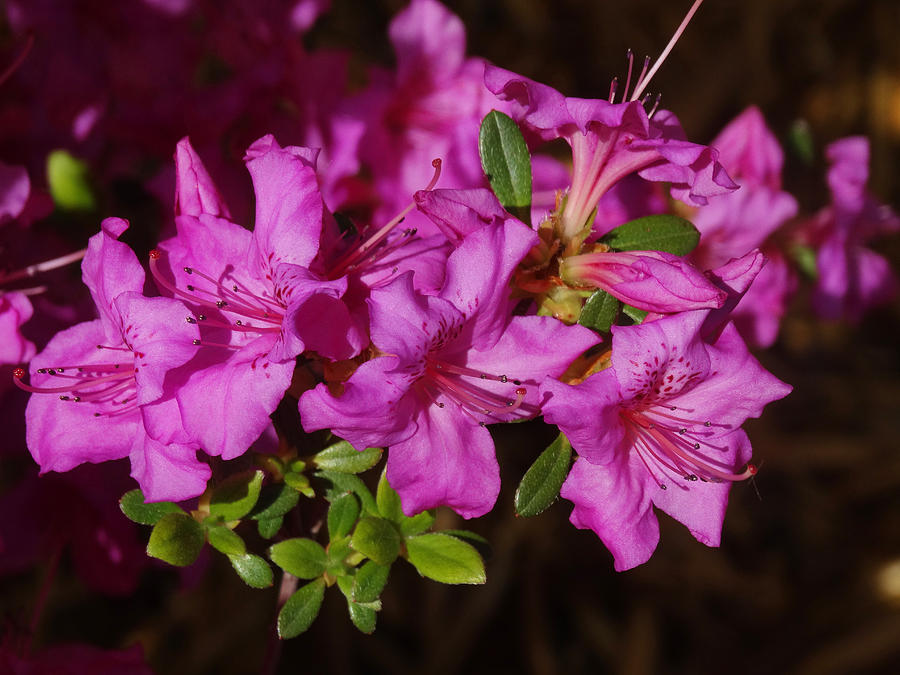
{"x":807,"y":579}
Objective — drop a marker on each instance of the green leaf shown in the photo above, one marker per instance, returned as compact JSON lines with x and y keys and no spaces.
{"x":506,"y":163}
{"x":254,"y":570}
{"x":269,"y":527}
{"x":369,"y":581}
{"x":235,"y":496}
{"x":135,"y":509}
{"x":445,"y":559}
{"x":364,"y":618}
{"x":599,"y":312}
{"x":343,"y":483}
{"x":805,"y":258}
{"x":225,"y":540}
{"x":417,"y":524}
{"x":800,"y":141}
{"x":342,"y":515}
{"x":69,"y":182}
{"x":338,"y":551}
{"x":301,"y":609}
{"x":662,"y":232}
{"x":482,"y":545}
{"x":303,"y":558}
{"x":176,"y":539}
{"x":342,"y":457}
{"x":378,"y":539}
{"x":388,"y":500}
{"x":633,"y":313}
{"x":541,"y":483}
{"x":275,"y":499}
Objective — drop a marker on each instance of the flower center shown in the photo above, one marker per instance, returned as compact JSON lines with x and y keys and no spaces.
{"x":671,"y":444}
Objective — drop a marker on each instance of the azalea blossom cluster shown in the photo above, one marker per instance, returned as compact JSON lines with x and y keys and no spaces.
{"x":393,"y":292}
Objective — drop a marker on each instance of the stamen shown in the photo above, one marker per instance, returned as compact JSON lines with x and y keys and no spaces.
{"x":630,"y":56}
{"x":644,"y":81}
{"x":612,"y":89}
{"x":46,"y":266}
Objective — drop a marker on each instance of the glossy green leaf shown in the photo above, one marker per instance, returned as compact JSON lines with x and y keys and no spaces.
{"x":342,"y":457}
{"x":662,"y":232}
{"x":599,"y":312}
{"x":269,"y":527}
{"x":633,"y":313}
{"x":378,"y":539}
{"x":445,"y":559}
{"x":275,"y":499}
{"x":254,"y":571}
{"x":69,"y":182}
{"x":369,"y":581}
{"x":135,"y":509}
{"x":363,"y":617}
{"x":506,"y":163}
{"x":304,"y":558}
{"x":225,"y":540}
{"x":342,"y":483}
{"x":342,"y":515}
{"x":482,"y":545}
{"x":338,"y":551}
{"x":176,"y":539}
{"x":541,"y":483}
{"x":417,"y":524}
{"x":388,"y":501}
{"x":234,"y":497}
{"x":301,"y":609}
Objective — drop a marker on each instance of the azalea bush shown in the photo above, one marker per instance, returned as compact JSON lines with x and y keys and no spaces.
{"x":303,"y":380}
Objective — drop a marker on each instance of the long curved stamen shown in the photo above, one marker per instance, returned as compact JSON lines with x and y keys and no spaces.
{"x":86,"y":384}
{"x":46,"y":266}
{"x":357,"y":255}
{"x":477,"y":399}
{"x":14,"y":66}
{"x":644,"y":81}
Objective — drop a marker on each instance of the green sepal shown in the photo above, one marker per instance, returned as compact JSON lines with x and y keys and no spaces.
{"x":369,"y":581}
{"x":234,"y":497}
{"x":301,"y":609}
{"x":304,"y":558}
{"x":275,"y":499}
{"x":136,"y":509}
{"x":342,"y":516}
{"x":633,"y":313}
{"x":253,"y":570}
{"x":269,"y":527}
{"x":662,"y":232}
{"x":377,"y":539}
{"x":176,"y":539}
{"x":342,"y":483}
{"x":446,"y":559}
{"x":225,"y":540}
{"x":506,"y":163}
{"x":599,"y":311}
{"x":344,"y":458}
{"x":540,"y":485}
{"x":69,"y":182}
{"x":417,"y":524}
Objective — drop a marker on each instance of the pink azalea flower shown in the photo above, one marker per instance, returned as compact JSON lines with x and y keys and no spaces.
{"x":660,"y":427}
{"x":852,"y":278}
{"x":254,"y":299}
{"x":450,"y":364}
{"x":100,"y":387}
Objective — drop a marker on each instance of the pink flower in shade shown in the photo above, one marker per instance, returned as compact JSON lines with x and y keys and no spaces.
{"x":255,"y":301}
{"x":660,"y":427}
{"x":100,"y":388}
{"x":450,"y":364}
{"x":852,"y":278}
{"x":610,"y":141}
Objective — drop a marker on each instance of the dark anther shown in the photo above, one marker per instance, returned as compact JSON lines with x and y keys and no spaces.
{"x":195,"y":342}
{"x":190,"y":319}
{"x":188,"y":270}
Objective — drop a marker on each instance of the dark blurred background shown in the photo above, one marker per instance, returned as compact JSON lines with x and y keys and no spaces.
{"x":808,"y":576}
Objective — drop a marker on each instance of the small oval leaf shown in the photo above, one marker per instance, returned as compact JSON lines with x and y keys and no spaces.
{"x":377,"y":539}
{"x":342,"y":515}
{"x":506,"y":163}
{"x":364,"y":618}
{"x":69,"y":182}
{"x":301,"y":609}
{"x":135,"y":509}
{"x":541,"y":483}
{"x":662,"y":232}
{"x":254,"y":571}
{"x":235,"y":496}
{"x":225,"y":540}
{"x":274,"y":500}
{"x":344,"y":458}
{"x":599,"y":311}
{"x":269,"y":527}
{"x":342,"y":483}
{"x":445,"y":559}
{"x":303,"y":558}
{"x":369,"y":581}
{"x":388,"y":500}
{"x":176,"y":539}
